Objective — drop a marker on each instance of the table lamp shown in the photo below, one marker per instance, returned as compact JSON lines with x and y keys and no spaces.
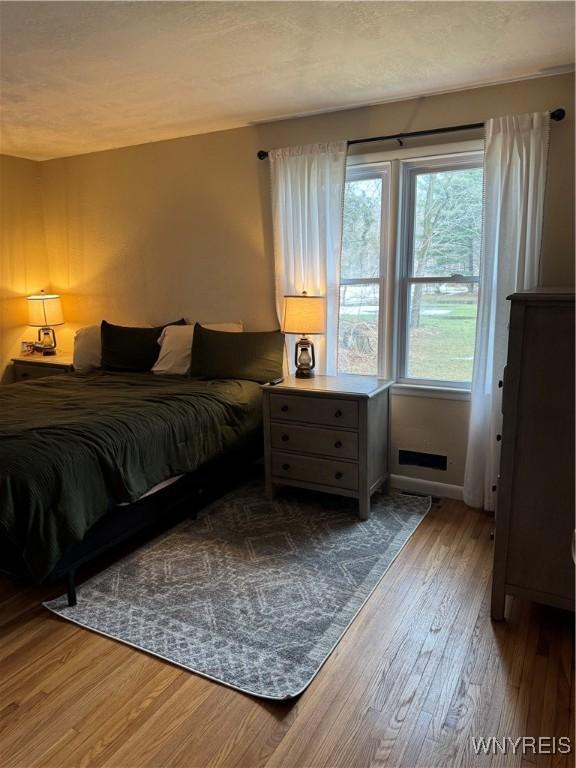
{"x":44,"y":311}
{"x":304,"y":315}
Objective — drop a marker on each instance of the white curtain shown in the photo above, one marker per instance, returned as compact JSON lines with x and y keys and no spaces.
{"x":307,"y":205}
{"x":514,"y":184}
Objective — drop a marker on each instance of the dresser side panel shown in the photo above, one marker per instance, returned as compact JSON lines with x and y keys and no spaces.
{"x":541,"y":519}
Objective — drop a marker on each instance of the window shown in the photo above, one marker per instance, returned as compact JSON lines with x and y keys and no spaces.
{"x":437,"y":253}
{"x":439,"y":270}
{"x":362,"y":269}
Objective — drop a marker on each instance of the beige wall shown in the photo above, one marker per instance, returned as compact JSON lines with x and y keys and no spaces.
{"x":182,"y":227}
{"x":151,"y":233}
{"x":23,"y":262}
{"x":429,"y":425}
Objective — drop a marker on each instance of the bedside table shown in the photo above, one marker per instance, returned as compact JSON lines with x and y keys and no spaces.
{"x":329,"y":433}
{"x":36,"y":366}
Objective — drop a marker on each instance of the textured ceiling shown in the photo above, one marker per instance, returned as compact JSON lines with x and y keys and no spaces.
{"x":83,"y":76}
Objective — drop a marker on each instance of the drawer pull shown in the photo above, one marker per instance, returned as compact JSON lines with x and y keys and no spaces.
{"x":285,"y":467}
{"x":338,"y":414}
{"x":285,"y":438}
{"x":338,"y":444}
{"x":284,"y":408}
{"x":338,"y":475}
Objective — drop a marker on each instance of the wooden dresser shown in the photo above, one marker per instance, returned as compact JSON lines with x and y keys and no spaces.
{"x":535,"y":507}
{"x":328,"y":433}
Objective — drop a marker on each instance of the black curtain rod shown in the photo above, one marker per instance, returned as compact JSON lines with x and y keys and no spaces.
{"x":557,"y":115}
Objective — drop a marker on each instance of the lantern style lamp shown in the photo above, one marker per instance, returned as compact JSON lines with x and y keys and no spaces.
{"x":45,"y":311}
{"x":304,"y":315}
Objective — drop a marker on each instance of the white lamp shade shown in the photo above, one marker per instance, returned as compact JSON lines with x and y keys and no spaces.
{"x":304,"y":314}
{"x":45,"y":310}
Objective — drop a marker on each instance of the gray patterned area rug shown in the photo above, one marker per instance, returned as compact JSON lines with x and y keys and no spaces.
{"x":254,"y":594}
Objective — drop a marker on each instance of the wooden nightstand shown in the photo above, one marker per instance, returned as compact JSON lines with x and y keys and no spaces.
{"x":37,"y":366}
{"x":329,"y":433}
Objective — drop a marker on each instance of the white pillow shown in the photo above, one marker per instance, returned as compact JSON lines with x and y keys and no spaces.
{"x":176,"y":346}
{"x":87,"y":353}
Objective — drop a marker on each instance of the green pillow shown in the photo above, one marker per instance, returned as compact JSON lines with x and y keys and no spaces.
{"x":253,"y":356}
{"x":130,"y":349}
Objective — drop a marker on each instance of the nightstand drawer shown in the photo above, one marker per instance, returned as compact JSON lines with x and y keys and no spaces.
{"x":326,"y":442}
{"x":23,"y":372}
{"x":339,"y":474}
{"x":327,"y":411}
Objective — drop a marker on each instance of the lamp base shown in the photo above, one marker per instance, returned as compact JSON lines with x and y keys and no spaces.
{"x":304,"y":358}
{"x":40,"y":350}
{"x":304,"y":374}
{"x":46,"y":344}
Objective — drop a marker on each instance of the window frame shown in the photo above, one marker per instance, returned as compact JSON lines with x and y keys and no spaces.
{"x":396,"y":159}
{"x":409,"y":170}
{"x":358,"y":172}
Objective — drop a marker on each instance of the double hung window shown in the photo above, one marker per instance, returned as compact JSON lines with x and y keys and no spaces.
{"x":363,"y":269}
{"x":425,"y":215}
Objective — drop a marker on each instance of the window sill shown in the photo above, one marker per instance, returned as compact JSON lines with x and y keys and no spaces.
{"x":422,"y":390}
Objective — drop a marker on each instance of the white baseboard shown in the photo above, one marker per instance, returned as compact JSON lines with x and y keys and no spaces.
{"x":429,"y":487}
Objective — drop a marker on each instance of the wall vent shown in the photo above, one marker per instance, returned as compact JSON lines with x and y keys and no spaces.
{"x":419,"y":459}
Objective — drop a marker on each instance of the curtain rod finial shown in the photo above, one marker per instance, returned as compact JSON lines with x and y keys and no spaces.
{"x":558,"y":114}
{"x":262,"y":154}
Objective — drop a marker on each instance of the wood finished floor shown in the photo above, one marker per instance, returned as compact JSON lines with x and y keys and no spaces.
{"x":421,"y":670}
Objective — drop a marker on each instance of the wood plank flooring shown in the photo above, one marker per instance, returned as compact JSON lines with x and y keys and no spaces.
{"x":421,"y":671}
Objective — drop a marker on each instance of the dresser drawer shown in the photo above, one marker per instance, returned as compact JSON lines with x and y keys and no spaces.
{"x":337,"y":474}
{"x":328,"y":411}
{"x":326,"y":442}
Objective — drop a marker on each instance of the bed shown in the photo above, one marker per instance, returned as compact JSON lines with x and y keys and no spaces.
{"x":79,"y":453}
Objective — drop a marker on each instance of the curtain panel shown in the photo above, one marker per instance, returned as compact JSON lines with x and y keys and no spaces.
{"x":514,"y":184}
{"x":307,"y":209}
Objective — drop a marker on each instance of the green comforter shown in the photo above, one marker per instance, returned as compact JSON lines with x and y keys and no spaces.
{"x":74,"y":446}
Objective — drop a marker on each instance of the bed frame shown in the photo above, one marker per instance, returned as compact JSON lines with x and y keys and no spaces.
{"x":152,"y":514}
